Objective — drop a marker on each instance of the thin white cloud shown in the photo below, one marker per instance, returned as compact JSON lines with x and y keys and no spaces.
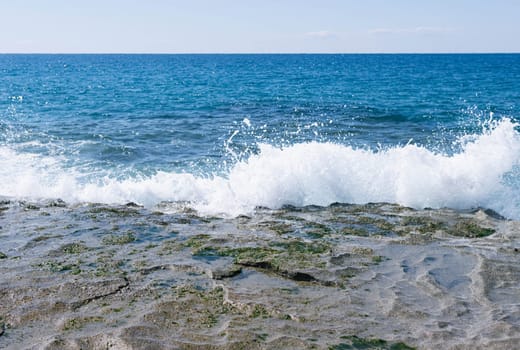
{"x":416,"y":30}
{"x":322,"y":34}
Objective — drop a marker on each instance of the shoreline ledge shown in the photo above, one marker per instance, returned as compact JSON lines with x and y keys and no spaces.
{"x":374,"y":276}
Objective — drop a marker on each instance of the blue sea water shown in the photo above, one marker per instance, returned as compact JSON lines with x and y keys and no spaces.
{"x":228,"y":133}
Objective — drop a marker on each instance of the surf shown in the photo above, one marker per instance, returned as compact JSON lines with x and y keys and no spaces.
{"x":482,"y":174}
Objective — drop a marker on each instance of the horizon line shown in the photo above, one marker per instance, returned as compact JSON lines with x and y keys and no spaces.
{"x":267,"y":53}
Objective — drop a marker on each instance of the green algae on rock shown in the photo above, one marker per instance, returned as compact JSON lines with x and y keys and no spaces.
{"x":470,"y":229}
{"x":80,"y":322}
{"x":125,"y":238}
{"x":74,"y":248}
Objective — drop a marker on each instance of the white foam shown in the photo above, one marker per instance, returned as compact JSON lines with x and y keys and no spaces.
{"x":301,"y":174}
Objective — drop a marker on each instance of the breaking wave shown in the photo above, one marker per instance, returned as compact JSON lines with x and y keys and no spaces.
{"x":483,"y":173}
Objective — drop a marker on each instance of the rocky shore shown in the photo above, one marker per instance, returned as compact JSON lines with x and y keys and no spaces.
{"x":375,"y":276}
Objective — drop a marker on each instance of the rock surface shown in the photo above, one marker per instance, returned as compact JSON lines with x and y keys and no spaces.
{"x":375,"y":276}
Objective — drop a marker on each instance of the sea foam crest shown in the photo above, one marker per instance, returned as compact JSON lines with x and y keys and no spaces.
{"x":302,"y":174}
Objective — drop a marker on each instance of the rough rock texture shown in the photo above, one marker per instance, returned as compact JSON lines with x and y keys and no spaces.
{"x":377,"y":276}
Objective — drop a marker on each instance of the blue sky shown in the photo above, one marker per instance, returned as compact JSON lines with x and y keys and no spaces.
{"x":222,"y":26}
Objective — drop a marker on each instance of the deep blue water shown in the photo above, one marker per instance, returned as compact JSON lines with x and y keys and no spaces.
{"x":80,"y":120}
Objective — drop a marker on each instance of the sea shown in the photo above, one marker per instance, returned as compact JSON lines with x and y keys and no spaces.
{"x":227,"y":134}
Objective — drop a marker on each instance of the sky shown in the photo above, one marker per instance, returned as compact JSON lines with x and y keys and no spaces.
{"x":259,"y":26}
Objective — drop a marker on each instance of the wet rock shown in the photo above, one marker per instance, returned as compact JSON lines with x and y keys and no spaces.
{"x":124,"y":211}
{"x":57,"y":203}
{"x":355,"y":342}
{"x":489,"y":213}
{"x":30,"y":206}
{"x":94,"y":290}
{"x":227,"y":271}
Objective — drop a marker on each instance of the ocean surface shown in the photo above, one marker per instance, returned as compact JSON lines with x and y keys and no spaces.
{"x":225,"y":134}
